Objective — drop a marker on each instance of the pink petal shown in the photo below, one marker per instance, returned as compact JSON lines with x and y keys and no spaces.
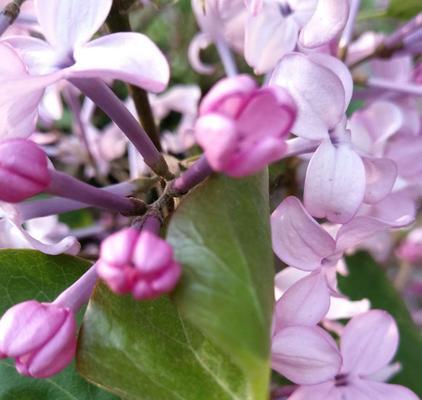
{"x":323,"y":391}
{"x":369,"y":342}
{"x":66,"y":24}
{"x":130,"y":57}
{"x":297,"y":238}
{"x":381,"y":174}
{"x":268,"y":37}
{"x":318,"y":92}
{"x":384,"y":391}
{"x":117,"y":249}
{"x":218,"y":137}
{"x":326,"y":23}
{"x":404,"y":150}
{"x":305,"y":355}
{"x":279,"y":110}
{"x":335,"y":183}
{"x":358,"y":230}
{"x":57,"y":353}
{"x":256,"y":157}
{"x":228,"y":95}
{"x":305,"y":303}
{"x":199,"y":42}
{"x":398,"y":209}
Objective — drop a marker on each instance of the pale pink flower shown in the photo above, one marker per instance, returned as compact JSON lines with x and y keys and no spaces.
{"x":367,"y":346}
{"x":275,"y":28}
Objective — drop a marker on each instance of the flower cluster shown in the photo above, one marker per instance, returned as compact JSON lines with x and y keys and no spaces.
{"x":356,"y":182}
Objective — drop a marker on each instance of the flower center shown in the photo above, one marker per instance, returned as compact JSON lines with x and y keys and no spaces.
{"x":341,"y":380}
{"x":285,"y":9}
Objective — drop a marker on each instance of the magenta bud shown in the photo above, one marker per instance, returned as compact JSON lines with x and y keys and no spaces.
{"x":23,"y":170}
{"x":236,"y":139}
{"x":41,"y":337}
{"x":140,"y":263}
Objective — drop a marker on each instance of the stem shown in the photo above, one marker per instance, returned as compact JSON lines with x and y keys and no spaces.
{"x":75,"y":296}
{"x":226,"y":57}
{"x":118,"y":21}
{"x":299,"y":146}
{"x":397,"y":37}
{"x":194,"y":175}
{"x":9,"y":14}
{"x":105,"y":99}
{"x":348,"y":30}
{"x":64,"y":185}
{"x":73,"y":102}
{"x":400,"y":87}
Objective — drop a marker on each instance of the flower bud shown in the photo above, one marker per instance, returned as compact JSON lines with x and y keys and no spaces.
{"x":140,"y":263}
{"x":242,"y":127}
{"x":41,"y":337}
{"x":23,"y":170}
{"x":410,"y":250}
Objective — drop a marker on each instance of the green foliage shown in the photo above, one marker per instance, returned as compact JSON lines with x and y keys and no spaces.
{"x":404,"y":9}
{"x":368,"y":280}
{"x":215,"y":344}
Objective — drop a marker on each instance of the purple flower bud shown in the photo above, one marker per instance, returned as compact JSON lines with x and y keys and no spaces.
{"x":140,"y":263}
{"x":23,"y":170}
{"x":41,"y":337}
{"x":235,"y":139}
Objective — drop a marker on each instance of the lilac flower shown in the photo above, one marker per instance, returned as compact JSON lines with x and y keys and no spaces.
{"x":67,"y":54}
{"x":235,"y":139}
{"x":301,"y":242}
{"x":368,"y":344}
{"x":275,"y":30}
{"x":322,"y":88}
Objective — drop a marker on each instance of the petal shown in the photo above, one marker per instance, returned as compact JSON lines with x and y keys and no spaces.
{"x":254,"y":6}
{"x":335,"y":182}
{"x":255,"y":157}
{"x":384,"y":391}
{"x":358,"y":230}
{"x":20,"y":94}
{"x":228,"y":95}
{"x":199,"y":42}
{"x":287,"y":278}
{"x":305,"y":355}
{"x":404,"y":150}
{"x":130,"y":57}
{"x":279,"y":110}
{"x":326,"y":23}
{"x":68,"y":244}
{"x":218,"y":137}
{"x":268,"y":37}
{"x":344,"y":308}
{"x":305,"y":303}
{"x":398,"y":209}
{"x":318,"y":92}
{"x":38,"y":56}
{"x":369,"y":342}
{"x":381,"y":174}
{"x":323,"y":391}
{"x":341,"y":71}
{"x":297,"y":238}
{"x":71,"y":22}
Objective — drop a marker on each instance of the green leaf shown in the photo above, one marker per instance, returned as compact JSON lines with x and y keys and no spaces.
{"x":28,"y":274}
{"x":367,"y":279}
{"x":145,"y":350}
{"x":218,"y":350}
{"x":404,"y":9}
{"x":221,"y":235}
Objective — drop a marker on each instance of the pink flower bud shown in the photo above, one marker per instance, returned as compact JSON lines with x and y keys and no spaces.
{"x":41,"y":337}
{"x":23,"y":170}
{"x":242,"y":128}
{"x":138,"y":263}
